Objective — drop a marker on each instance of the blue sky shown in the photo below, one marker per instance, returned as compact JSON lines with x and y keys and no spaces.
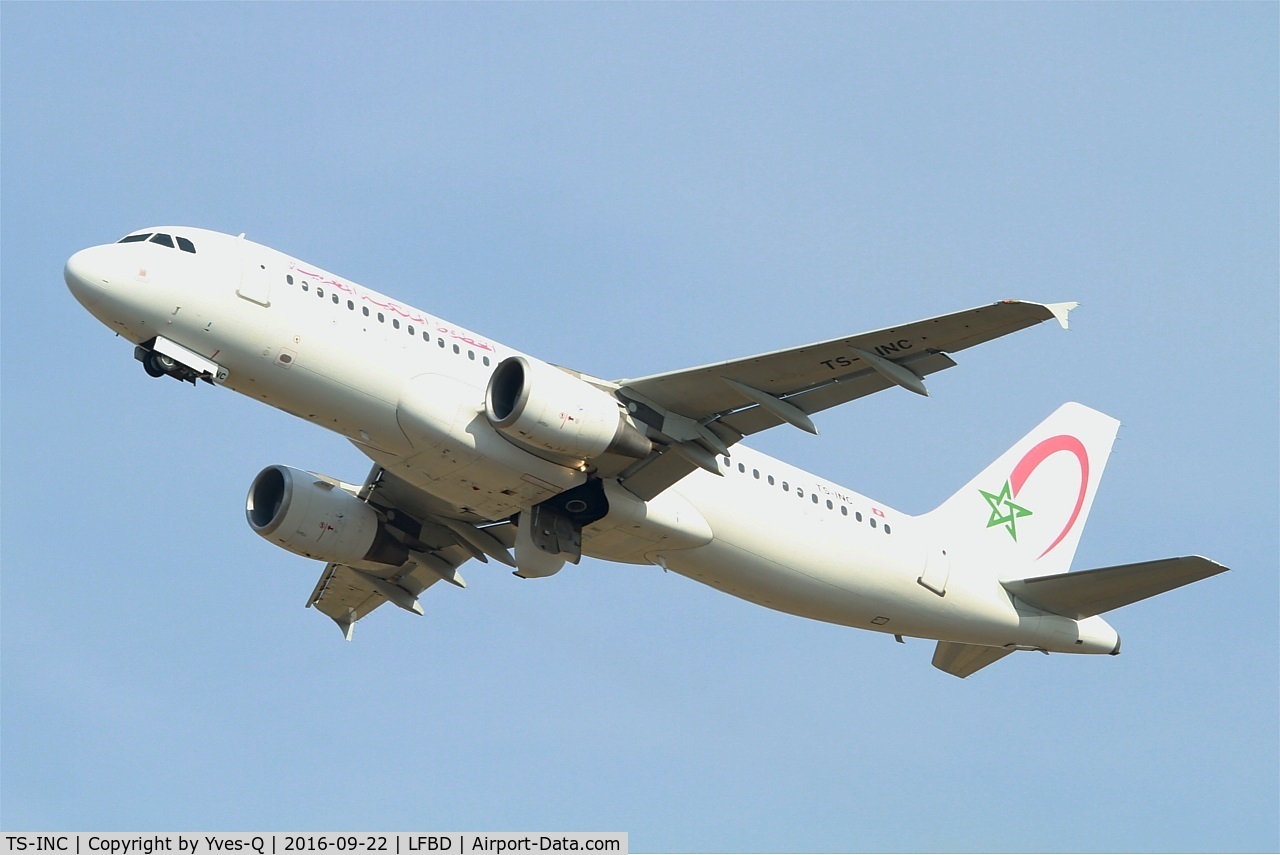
{"x":628,"y":189}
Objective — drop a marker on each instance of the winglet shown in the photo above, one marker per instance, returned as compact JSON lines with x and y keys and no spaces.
{"x":347,"y":626}
{"x":1061,"y":311}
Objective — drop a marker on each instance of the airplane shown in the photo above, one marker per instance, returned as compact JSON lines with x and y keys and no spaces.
{"x":482,"y":452}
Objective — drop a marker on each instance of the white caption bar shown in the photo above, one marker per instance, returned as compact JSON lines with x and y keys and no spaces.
{"x":280,"y":843}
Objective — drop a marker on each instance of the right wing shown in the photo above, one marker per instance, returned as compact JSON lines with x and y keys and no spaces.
{"x":702,"y":411}
{"x":437,"y":548}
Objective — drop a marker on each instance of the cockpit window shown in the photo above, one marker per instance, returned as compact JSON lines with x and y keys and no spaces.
{"x":162,"y":239}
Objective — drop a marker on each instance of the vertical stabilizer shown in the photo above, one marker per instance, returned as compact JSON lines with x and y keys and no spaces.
{"x":1022,"y":516}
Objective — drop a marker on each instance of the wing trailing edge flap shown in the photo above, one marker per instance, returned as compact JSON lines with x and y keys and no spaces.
{"x":436,"y":531}
{"x":962,"y":660}
{"x":1092,"y":592}
{"x":347,"y":594}
{"x":758,"y":411}
{"x":436,"y":550}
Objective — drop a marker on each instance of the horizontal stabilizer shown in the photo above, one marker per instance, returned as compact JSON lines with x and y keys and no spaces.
{"x":1092,"y":592}
{"x":964,"y":659}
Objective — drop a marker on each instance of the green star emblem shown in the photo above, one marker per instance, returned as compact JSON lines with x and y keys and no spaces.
{"x":1003,"y":511}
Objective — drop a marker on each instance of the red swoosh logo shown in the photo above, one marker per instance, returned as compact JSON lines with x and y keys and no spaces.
{"x":1038,"y":455}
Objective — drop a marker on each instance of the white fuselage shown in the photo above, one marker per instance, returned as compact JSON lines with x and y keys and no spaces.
{"x":408,"y":389}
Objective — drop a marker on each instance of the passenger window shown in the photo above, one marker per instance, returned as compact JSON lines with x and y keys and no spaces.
{"x":335,"y":299}
{"x":886,"y":529}
{"x":426,"y":337}
{"x":770,"y":480}
{"x":844,"y":511}
{"x":440,"y":342}
{"x":134,"y":238}
{"x":365,"y":309}
{"x":755,"y":473}
{"x":485,"y":359}
{"x":858,"y":516}
{"x":320,"y":293}
{"x":305,"y":287}
{"x":381,"y":319}
{"x":800,"y":492}
{"x":457,"y":349}
{"x":289,"y":278}
{"x":351,"y":305}
{"x":186,"y":245}
{"x":830,"y":506}
{"x":395,"y":322}
{"x":742,"y":467}
{"x":873,"y":523}
{"x":814,"y":496}
{"x":163,"y":240}
{"x":471,"y":354}
{"x":786,"y":488}
{"x":410,"y":329}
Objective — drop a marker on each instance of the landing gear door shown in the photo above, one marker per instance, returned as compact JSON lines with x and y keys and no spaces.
{"x":255,"y":281}
{"x":937,"y":568}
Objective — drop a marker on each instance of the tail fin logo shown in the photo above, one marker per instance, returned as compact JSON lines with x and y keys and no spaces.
{"x":1006,"y":513}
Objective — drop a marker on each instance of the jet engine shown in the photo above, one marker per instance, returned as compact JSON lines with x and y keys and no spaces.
{"x":313,"y":516}
{"x":558,"y":416}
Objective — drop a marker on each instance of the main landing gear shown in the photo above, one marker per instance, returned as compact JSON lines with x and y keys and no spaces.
{"x":550,"y":533}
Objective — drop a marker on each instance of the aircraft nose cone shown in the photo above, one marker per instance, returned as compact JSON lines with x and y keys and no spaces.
{"x":85,"y":276}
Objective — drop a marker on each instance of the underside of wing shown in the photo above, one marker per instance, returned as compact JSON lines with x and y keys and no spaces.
{"x":700,"y":412}
{"x":436,"y":548}
{"x":347,"y":595}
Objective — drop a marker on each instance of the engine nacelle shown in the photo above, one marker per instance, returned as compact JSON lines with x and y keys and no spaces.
{"x":312,"y":516}
{"x":549,"y":411}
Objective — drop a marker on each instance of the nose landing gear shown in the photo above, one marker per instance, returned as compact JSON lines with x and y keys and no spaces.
{"x":161,"y":357}
{"x":158,"y":364}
